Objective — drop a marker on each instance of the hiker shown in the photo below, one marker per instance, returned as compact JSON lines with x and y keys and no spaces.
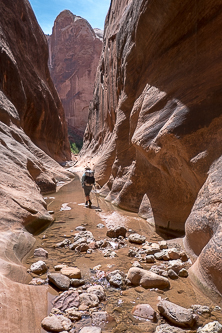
{"x":88,"y":180}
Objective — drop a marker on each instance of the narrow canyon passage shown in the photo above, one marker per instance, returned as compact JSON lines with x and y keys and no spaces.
{"x":70,"y":213}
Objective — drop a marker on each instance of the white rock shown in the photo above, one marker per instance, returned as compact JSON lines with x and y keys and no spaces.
{"x":213,"y":327}
{"x":38,"y":267}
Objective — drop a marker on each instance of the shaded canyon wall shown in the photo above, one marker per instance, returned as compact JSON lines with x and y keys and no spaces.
{"x":33,"y":136}
{"x":154,"y":130}
{"x":74,"y":52}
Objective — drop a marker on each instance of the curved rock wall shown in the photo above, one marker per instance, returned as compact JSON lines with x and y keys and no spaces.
{"x":155,"y":124}
{"x":33,"y":134}
{"x":74,"y":49}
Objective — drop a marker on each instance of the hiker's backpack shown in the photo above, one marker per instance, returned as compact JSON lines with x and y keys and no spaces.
{"x":89,"y":178}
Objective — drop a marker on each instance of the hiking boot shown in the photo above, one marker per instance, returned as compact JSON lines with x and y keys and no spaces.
{"x":86,"y":204}
{"x":90,"y":204}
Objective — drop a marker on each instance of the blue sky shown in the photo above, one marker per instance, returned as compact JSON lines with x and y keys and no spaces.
{"x":46,"y":11}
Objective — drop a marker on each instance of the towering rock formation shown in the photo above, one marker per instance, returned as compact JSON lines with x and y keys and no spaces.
{"x":74,"y":49}
{"x":33,"y":134}
{"x":154,"y":129}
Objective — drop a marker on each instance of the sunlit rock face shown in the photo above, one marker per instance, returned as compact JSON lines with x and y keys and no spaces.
{"x":74,"y":52}
{"x":154,"y":129}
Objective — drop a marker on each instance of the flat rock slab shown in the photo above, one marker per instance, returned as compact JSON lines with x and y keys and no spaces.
{"x":213,"y":327}
{"x":56,"y":323}
{"x":61,"y":281}
{"x":137,"y":238}
{"x":144,"y":311}
{"x":71,"y":272}
{"x":147,"y":279}
{"x":90,"y":329}
{"x":176,"y":314}
{"x":66,"y":300}
{"x":165,"y":328}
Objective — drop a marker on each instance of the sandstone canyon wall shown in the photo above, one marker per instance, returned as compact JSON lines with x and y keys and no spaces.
{"x":33,"y":134}
{"x":154,"y":130}
{"x":74,"y":52}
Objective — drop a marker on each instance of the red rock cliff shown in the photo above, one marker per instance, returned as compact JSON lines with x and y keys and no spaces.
{"x":74,"y":49}
{"x":154,"y":129}
{"x":32,"y":134}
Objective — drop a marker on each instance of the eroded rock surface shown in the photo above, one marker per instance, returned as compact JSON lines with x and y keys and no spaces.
{"x":154,"y":130}
{"x":74,"y":49}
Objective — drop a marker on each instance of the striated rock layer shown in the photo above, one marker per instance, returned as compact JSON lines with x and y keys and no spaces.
{"x":74,"y":49}
{"x":154,"y":127}
{"x":33,"y":134}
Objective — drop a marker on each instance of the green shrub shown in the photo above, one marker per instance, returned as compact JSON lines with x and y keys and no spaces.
{"x":74,"y":148}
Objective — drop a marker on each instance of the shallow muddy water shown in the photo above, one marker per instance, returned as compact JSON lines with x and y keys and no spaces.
{"x":70,"y":212}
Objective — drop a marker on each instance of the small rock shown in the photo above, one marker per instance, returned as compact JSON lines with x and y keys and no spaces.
{"x":100,"y":226}
{"x":64,"y":243}
{"x":99,"y":317}
{"x":38,"y":267}
{"x":183,"y":273}
{"x":90,"y":329}
{"x":84,"y":247}
{"x":137,"y":239}
{"x":80,"y":228}
{"x":61,"y":281}
{"x":173,"y":254}
{"x":132,"y":253}
{"x":109,"y":253}
{"x":37,"y":282}
{"x":159,"y":255}
{"x":146,"y":279}
{"x":165,"y":328}
{"x":73,"y":314}
{"x":98,"y":291}
{"x":88,"y":301}
{"x":136,"y":264}
{"x":59,"y":267}
{"x":67,"y":299}
{"x":144,"y":311}
{"x":77,"y":283}
{"x":176,"y":265}
{"x":151,"y":249}
{"x":41,"y":253}
{"x":116,"y":232}
{"x":173,"y":275}
{"x":116,"y":278}
{"x":176,"y":314}
{"x":213,"y":327}
{"x":71,"y":272}
{"x":84,"y":234}
{"x":183,"y":256}
{"x":201,"y":309}
{"x":150,"y":259}
{"x":56,"y":323}
{"x":163,"y":245}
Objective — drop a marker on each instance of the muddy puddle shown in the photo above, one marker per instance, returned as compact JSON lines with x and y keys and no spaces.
{"x":70,"y":212}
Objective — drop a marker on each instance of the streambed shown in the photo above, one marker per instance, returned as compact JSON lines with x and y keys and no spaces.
{"x":70,"y":212}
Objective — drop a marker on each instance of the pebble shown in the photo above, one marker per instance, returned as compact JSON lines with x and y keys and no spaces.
{"x":183,"y":273}
{"x":100,"y":226}
{"x":150,"y":259}
{"x":116,"y":278}
{"x":116,"y":232}
{"x":77,"y":282}
{"x":212,"y":327}
{"x":173,"y":275}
